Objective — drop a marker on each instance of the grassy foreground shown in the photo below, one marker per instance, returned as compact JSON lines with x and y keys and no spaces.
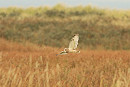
{"x":32,"y":66}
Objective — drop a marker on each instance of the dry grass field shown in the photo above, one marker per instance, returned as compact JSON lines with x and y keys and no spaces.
{"x":28,"y":65}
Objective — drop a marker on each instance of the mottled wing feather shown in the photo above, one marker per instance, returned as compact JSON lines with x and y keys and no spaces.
{"x":62,"y":53}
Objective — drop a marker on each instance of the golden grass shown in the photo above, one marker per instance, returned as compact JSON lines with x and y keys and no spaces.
{"x":27,"y":66}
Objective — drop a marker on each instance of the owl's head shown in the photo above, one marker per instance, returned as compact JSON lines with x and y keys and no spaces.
{"x":76,"y":34}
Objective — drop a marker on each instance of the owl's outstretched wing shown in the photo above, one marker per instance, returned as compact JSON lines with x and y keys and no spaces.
{"x":71,"y":44}
{"x":62,"y":53}
{"x":76,"y":39}
{"x":74,"y":42}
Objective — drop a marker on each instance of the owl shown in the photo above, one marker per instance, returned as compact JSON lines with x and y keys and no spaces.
{"x":72,"y":46}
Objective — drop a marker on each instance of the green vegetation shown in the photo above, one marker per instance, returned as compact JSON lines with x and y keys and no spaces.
{"x":98,"y":28}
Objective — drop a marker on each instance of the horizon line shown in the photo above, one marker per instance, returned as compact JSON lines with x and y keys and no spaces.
{"x":65,"y":5}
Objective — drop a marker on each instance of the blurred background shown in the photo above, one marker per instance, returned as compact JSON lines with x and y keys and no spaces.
{"x":101,"y":24}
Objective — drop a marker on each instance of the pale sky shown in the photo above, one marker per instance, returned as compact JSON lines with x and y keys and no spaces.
{"x":113,"y":4}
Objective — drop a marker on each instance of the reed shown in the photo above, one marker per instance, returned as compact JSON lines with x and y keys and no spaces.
{"x":42,"y":68}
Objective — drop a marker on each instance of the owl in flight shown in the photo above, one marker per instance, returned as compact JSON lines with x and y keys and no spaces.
{"x":72,"y":46}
